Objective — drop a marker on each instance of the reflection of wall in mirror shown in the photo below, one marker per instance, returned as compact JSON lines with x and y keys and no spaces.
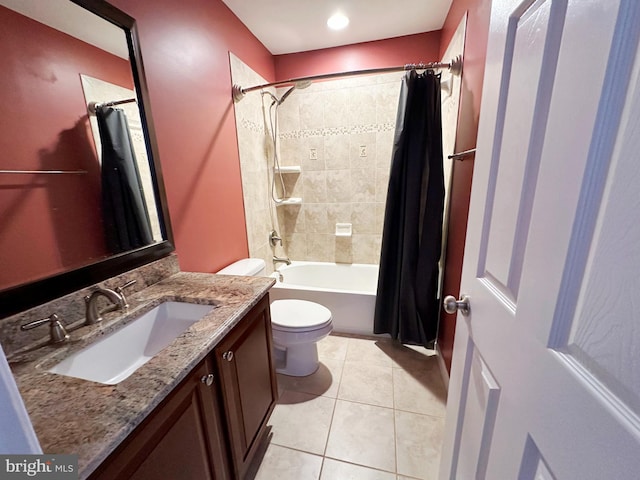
{"x":99,"y":91}
{"x":48,"y":223}
{"x":450,"y":98}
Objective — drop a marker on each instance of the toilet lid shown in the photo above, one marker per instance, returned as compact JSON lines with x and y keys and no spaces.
{"x":299,"y":315}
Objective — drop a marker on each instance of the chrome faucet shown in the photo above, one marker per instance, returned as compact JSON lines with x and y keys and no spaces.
{"x":281,"y":260}
{"x":114,"y":296}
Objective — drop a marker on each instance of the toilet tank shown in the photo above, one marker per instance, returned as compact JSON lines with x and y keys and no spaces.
{"x":245,"y":267}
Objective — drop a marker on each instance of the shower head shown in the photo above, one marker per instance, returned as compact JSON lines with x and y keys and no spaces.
{"x":302,"y":84}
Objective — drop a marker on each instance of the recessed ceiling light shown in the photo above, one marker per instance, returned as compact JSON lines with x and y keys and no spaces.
{"x":338,"y":21}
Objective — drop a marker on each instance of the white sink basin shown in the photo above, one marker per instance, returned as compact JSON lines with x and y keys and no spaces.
{"x":116,"y":356}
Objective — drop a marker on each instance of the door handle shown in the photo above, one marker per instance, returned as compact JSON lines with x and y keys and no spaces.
{"x":451,"y":305}
{"x":207,"y":379}
{"x":228,"y":356}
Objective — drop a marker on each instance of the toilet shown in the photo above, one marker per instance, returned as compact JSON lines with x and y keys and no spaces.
{"x":297,"y":325}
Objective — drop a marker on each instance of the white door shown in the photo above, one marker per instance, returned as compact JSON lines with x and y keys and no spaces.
{"x":545,"y":381}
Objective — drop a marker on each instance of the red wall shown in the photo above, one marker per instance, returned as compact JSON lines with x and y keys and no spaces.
{"x":45,"y":126}
{"x":392,"y":52}
{"x":185,"y":49}
{"x":474,"y":58}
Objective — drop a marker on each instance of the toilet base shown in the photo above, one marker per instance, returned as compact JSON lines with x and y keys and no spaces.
{"x":300,"y":359}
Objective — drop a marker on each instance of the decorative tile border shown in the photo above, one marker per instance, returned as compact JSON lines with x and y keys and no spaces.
{"x":321,"y":132}
{"x":252,"y":126}
{"x":351,"y":130}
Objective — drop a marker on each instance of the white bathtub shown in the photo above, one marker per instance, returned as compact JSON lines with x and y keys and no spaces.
{"x":348,"y":290}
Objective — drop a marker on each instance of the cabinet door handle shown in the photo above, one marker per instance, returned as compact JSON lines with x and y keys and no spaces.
{"x":228,"y":356}
{"x":207,"y":379}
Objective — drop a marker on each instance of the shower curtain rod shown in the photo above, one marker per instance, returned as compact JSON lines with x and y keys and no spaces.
{"x":455,"y":67}
{"x":93,"y":106}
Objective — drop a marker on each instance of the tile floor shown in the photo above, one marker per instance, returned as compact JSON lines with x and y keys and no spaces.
{"x":374,"y":410}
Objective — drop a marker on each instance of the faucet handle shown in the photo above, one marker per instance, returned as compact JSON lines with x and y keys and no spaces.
{"x":57,"y":332}
{"x":130,"y":283}
{"x":274,"y":238}
{"x":120,"y":290}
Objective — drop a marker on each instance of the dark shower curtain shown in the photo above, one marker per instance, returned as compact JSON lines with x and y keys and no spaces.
{"x":407,"y":303}
{"x":125,"y":216}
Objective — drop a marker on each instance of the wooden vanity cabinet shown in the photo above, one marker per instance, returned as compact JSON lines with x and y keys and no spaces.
{"x":182,"y":439}
{"x":210,"y":426}
{"x":247,"y":384}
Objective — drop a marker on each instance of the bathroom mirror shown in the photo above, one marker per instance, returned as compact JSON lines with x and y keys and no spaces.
{"x":55,"y":233}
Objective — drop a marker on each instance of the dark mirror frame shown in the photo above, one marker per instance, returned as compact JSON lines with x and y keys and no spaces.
{"x":23,"y":297}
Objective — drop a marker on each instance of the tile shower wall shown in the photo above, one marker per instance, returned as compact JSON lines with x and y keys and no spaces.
{"x":256,"y":160}
{"x":341,"y":135}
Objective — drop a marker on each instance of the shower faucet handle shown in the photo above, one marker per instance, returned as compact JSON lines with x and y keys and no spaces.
{"x":274,"y":238}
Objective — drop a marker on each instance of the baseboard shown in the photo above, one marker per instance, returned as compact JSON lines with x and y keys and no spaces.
{"x":443,"y":367}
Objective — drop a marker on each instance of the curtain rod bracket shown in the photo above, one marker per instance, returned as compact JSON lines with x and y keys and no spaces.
{"x":455,"y":66}
{"x":92,"y":107}
{"x":237,"y":93}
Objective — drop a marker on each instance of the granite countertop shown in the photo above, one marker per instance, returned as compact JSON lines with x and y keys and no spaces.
{"x":90,"y":419}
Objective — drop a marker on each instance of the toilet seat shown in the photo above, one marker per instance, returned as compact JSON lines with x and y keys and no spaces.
{"x":292,"y":315}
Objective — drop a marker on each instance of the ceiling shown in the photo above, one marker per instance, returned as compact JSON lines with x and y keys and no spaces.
{"x":288,"y":26}
{"x":75,"y":21}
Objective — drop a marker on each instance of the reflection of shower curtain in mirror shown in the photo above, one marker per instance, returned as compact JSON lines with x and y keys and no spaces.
{"x":125,"y":216}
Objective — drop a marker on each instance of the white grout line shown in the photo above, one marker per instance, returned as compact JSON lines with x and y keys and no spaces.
{"x":395,"y":433}
{"x":326,"y":444}
{"x":363,"y":466}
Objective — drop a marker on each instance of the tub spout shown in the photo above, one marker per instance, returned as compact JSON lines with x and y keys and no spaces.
{"x":281,"y":260}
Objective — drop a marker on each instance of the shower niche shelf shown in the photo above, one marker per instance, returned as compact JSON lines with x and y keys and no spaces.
{"x":289,"y":201}
{"x":288,"y":169}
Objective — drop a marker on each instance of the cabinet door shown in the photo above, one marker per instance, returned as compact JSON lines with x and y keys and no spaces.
{"x":180,"y":439}
{"x":247,"y":383}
